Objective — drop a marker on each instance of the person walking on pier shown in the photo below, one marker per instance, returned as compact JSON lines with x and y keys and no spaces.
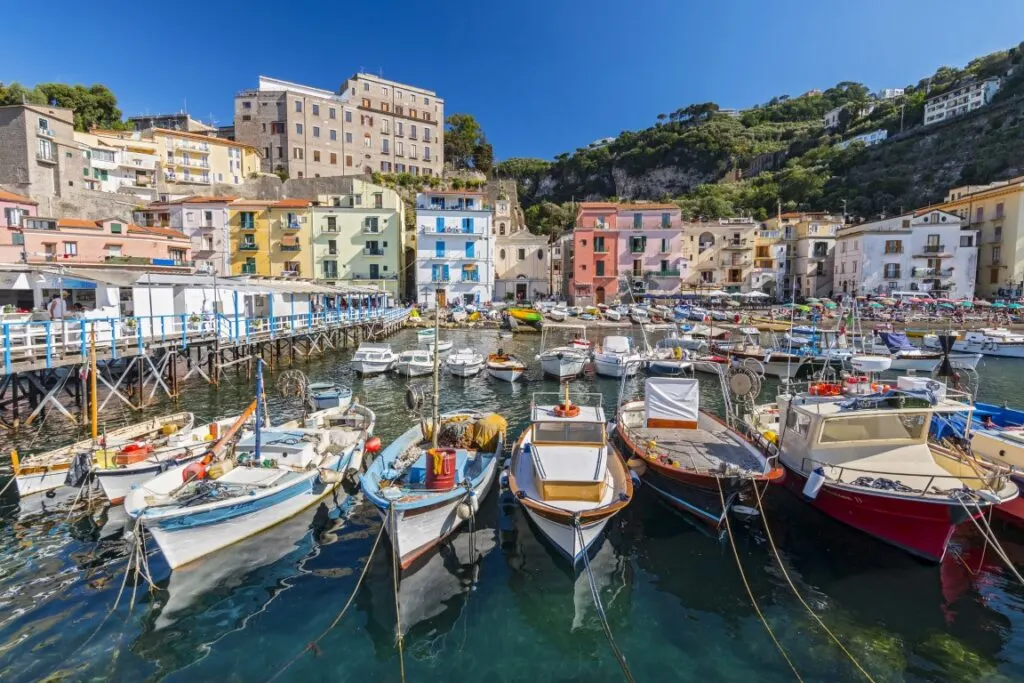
{"x":57,"y":307}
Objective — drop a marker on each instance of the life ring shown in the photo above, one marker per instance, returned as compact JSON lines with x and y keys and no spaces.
{"x":879,"y":388}
{"x":566,"y":410}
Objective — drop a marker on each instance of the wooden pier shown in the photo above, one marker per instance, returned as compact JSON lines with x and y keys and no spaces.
{"x":46,"y":363}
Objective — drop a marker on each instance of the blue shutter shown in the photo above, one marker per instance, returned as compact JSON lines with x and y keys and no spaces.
{"x":439,"y":249}
{"x":439,"y":224}
{"x":467,"y":225}
{"x":445,"y":271}
{"x":470,"y":249}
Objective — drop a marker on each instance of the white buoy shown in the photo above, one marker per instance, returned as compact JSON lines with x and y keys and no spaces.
{"x":463,"y":511}
{"x":474,"y":502}
{"x":815,"y":480}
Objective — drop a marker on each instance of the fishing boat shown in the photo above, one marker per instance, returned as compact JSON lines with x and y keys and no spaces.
{"x":325,"y":395}
{"x":526,"y":315}
{"x":639,"y":315}
{"x":373,"y":359}
{"x":613,"y":314}
{"x":775,"y":363}
{"x":414,"y":363}
{"x":989,"y":341}
{"x":49,"y":470}
{"x":579,"y":339}
{"x":564,"y":361}
{"x":906,"y":356}
{"x":423,"y":336}
{"x":574,"y":310}
{"x":465,"y":363}
{"x":271,"y":475}
{"x":565,"y":473}
{"x":443,"y":345}
{"x":617,"y":357}
{"x":669,"y":358}
{"x":558,"y":314}
{"x":859,"y":452}
{"x":459,"y":315}
{"x":505,"y":366}
{"x":119,"y":471}
{"x":693,"y":460}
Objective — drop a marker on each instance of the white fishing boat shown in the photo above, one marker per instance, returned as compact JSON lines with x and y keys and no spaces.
{"x":613,"y":314}
{"x":272,"y":474}
{"x":423,"y":336}
{"x":414,"y":363}
{"x":669,"y":358}
{"x":119,"y":471}
{"x":557,"y":314}
{"x":616,"y":357}
{"x":443,"y":345}
{"x":565,"y":473}
{"x":465,"y":363}
{"x":373,"y":359}
{"x":459,"y":315}
{"x":989,"y":341}
{"x":563,"y":361}
{"x":505,"y":366}
{"x":639,"y":315}
{"x":49,"y":470}
{"x":325,"y":395}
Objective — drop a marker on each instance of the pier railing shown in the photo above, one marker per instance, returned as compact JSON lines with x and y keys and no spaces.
{"x":46,"y":343}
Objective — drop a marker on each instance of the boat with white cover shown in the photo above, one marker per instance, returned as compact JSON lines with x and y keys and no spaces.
{"x":465,"y":363}
{"x":566,"y":475}
{"x":616,"y":357}
{"x":414,"y":363}
{"x":373,"y":359}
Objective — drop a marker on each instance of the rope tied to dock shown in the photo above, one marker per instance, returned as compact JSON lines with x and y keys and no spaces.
{"x":988,"y":534}
{"x":595,"y":594}
{"x":750,"y":591}
{"x":313,"y":646}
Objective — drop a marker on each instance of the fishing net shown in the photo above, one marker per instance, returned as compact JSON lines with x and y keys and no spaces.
{"x":488,"y":430}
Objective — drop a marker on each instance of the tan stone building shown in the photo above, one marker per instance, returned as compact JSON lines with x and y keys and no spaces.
{"x":719,"y":255}
{"x":370,"y":124}
{"x":810,"y":241}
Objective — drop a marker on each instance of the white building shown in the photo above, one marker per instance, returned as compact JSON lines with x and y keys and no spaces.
{"x":116,"y":163}
{"x":926,"y":251}
{"x":204,"y":220}
{"x":832,"y":118}
{"x":454,"y":249}
{"x":872,"y":138}
{"x":967,"y":97}
{"x":890,"y":93}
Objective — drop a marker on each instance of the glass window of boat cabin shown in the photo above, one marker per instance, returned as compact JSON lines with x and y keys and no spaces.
{"x":875,"y":426}
{"x":570,"y":432}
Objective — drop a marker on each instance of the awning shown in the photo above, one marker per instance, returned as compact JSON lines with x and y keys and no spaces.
{"x":471,"y":266}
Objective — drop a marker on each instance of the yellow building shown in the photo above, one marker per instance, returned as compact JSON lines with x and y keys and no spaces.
{"x":202,"y":159}
{"x":249,"y":226}
{"x":997,"y":212}
{"x":291,"y":238}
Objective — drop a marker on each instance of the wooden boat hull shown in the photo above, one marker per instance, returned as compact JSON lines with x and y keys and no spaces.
{"x":504,"y":373}
{"x":527,"y":315}
{"x":921,"y":528}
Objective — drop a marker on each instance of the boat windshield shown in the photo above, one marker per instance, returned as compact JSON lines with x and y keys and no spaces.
{"x":569,"y":433}
{"x":875,"y":427}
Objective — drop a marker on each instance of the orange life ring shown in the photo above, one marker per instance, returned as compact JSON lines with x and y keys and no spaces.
{"x":566,"y":410}
{"x":879,"y":387}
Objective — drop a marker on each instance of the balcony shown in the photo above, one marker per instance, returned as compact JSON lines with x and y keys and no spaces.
{"x":197,"y":146}
{"x":455,"y":207}
{"x":248,"y":226}
{"x":371,"y":251}
{"x":932,"y":272}
{"x":671,"y":272}
{"x":372,"y":229}
{"x":995,"y":239}
{"x":249,"y":246}
{"x":248,"y":269}
{"x":45,"y":133}
{"x":933,"y":248}
{"x":291,"y":247}
{"x":451,"y":230}
{"x":735,"y":244}
{"x":440,"y":279}
{"x":471,"y":278}
{"x":291,"y":225}
{"x":127,"y":260}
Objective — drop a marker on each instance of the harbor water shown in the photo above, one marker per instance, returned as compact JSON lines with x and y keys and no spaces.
{"x":497,"y":604}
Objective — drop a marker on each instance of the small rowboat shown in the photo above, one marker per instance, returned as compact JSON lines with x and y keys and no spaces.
{"x":505,"y":366}
{"x":527,"y":315}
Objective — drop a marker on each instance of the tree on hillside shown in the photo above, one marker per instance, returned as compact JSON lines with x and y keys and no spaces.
{"x":94,"y":106}
{"x":465,"y":143}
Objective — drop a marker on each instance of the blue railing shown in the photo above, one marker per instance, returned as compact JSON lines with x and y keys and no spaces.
{"x":50,"y":340}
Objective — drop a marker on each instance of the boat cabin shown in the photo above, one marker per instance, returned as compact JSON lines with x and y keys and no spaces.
{"x":568,"y":451}
{"x":286,"y":448}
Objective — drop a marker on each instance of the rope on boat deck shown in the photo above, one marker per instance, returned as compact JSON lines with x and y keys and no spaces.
{"x":989,"y":535}
{"x":400,"y":639}
{"x":313,"y":645}
{"x":750,"y":591}
{"x":597,"y":601}
{"x":789,"y":580}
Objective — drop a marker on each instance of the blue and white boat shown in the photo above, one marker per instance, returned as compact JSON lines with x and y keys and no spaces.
{"x":272,"y":475}
{"x":424,"y":493}
{"x":327,"y":395}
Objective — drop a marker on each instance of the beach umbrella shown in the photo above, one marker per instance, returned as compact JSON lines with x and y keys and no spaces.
{"x":981,"y":302}
{"x":946,"y":304}
{"x":1014,"y":306}
{"x":861,"y":297}
{"x":999,"y":304}
{"x":875,"y":304}
{"x":946,"y":301}
{"x":830,"y":304}
{"x":813,"y":300}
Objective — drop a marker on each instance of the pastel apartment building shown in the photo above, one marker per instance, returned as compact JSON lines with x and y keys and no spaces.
{"x":117,"y":162}
{"x":369,"y":124}
{"x":357,"y":237}
{"x":192,"y":158}
{"x":271,"y":238}
{"x":15,"y":206}
{"x":206,"y":222}
{"x":454,"y":249}
{"x":109,"y":242}
{"x":810,"y":238}
{"x":720,"y":255}
{"x":924,"y":251}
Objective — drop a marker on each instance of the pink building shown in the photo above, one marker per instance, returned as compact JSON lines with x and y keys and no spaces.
{"x":110,"y":242}
{"x":13,"y":207}
{"x":618,"y":248}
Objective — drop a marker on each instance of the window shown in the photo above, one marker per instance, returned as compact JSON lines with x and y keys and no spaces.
{"x":853,"y":267}
{"x":348,"y":160}
{"x":892,"y":271}
{"x":439,"y":249}
{"x":398,"y":128}
{"x":330,"y":269}
{"x":71,"y":248}
{"x":540,"y":254}
{"x":333,"y":135}
{"x":334,"y":158}
{"x":980,"y":214}
{"x":277,"y":127}
{"x":332,"y":113}
{"x":332,"y":247}
{"x":385,"y":146}
{"x":412,"y":132}
{"x":366,"y":103}
{"x":316,"y":155}
{"x":348,"y":116}
{"x":599,"y":268}
{"x":426,"y":134}
{"x":881,"y":426}
{"x":467,"y":225}
{"x":638,"y":221}
{"x":385,"y":127}
{"x":664,"y":246}
{"x":399,"y":149}
{"x":412,"y":151}
{"x":280,"y":152}
{"x":967,"y":240}
{"x":316,"y":131}
{"x":298,"y":129}
{"x":893,"y":246}
{"x":298,"y":106}
{"x":45,"y":150}
{"x":993,"y":277}
{"x":297,"y":153}
{"x":470,"y":249}
{"x":366,"y":87}
{"x":113,"y":250}
{"x":366,"y":140}
{"x":520,"y":254}
{"x":115,"y":228}
{"x":426,"y":153}
{"x":997,"y":254}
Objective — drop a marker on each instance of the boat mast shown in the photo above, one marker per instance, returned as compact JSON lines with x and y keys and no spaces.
{"x":437,"y":376}
{"x":260,"y":402}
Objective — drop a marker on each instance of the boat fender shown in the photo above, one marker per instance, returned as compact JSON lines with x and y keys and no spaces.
{"x":463,"y":511}
{"x":815,"y":480}
{"x":373,"y":445}
{"x":503,"y":480}
{"x":636,"y":466}
{"x":474,"y":502}
{"x":328,"y":476}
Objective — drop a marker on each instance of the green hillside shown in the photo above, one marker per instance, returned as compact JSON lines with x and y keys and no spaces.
{"x":715,"y":163}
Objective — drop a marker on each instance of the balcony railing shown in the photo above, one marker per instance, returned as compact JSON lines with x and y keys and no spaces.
{"x":932,"y":272}
{"x":291,"y":247}
{"x":671,"y":272}
{"x":372,"y":229}
{"x":455,"y":207}
{"x":432,"y":230}
{"x":735,"y":244}
{"x":248,"y":226}
{"x":933,"y":248}
{"x":249,"y":246}
{"x":995,"y":239}
{"x":248,"y":269}
{"x":471,"y":278}
{"x":370,"y":251}
{"x":291,"y":225}
{"x":439,"y":278}
{"x":45,"y":132}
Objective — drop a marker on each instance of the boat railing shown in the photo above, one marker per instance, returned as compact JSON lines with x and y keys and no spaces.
{"x":552,"y":398}
{"x":995,"y":480}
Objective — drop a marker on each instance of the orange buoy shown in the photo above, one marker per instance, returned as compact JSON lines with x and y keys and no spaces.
{"x":373,"y":445}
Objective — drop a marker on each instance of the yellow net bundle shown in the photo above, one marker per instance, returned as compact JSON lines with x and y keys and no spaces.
{"x":488,"y":429}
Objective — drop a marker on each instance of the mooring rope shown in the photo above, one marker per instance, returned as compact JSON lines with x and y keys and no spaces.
{"x":750,"y":591}
{"x":789,"y":580}
{"x":400,"y":641}
{"x":597,"y":602}
{"x":989,"y":536}
{"x":313,"y":645}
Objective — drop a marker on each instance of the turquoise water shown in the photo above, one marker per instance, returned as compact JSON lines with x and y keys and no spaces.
{"x":498,"y":604}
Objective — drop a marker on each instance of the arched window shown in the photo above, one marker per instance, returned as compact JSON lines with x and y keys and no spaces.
{"x":501,"y":254}
{"x":540,"y":254}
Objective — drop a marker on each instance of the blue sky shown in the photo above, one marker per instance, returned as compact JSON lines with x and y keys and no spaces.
{"x":542,"y":76}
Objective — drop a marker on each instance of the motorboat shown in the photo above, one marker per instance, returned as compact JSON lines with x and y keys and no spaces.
{"x":639,"y":315}
{"x":271,"y":475}
{"x":465,"y":363}
{"x":617,"y":357}
{"x":526,"y":315}
{"x":860,"y":453}
{"x":425,"y":491}
{"x":772,"y":362}
{"x":693,"y":460}
{"x":613,"y":314}
{"x":989,"y":341}
{"x":505,"y":366}
{"x":669,"y":358}
{"x":328,"y":395}
{"x":906,"y":356}
{"x":423,"y":336}
{"x":574,"y":310}
{"x":373,"y":359}
{"x":558,"y":314}
{"x":564,"y":361}
{"x":443,"y":345}
{"x":566,"y":474}
{"x":579,"y":339}
{"x":70,"y":465}
{"x":415,"y":363}
{"x":459,"y":315}
{"x":120,"y":470}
